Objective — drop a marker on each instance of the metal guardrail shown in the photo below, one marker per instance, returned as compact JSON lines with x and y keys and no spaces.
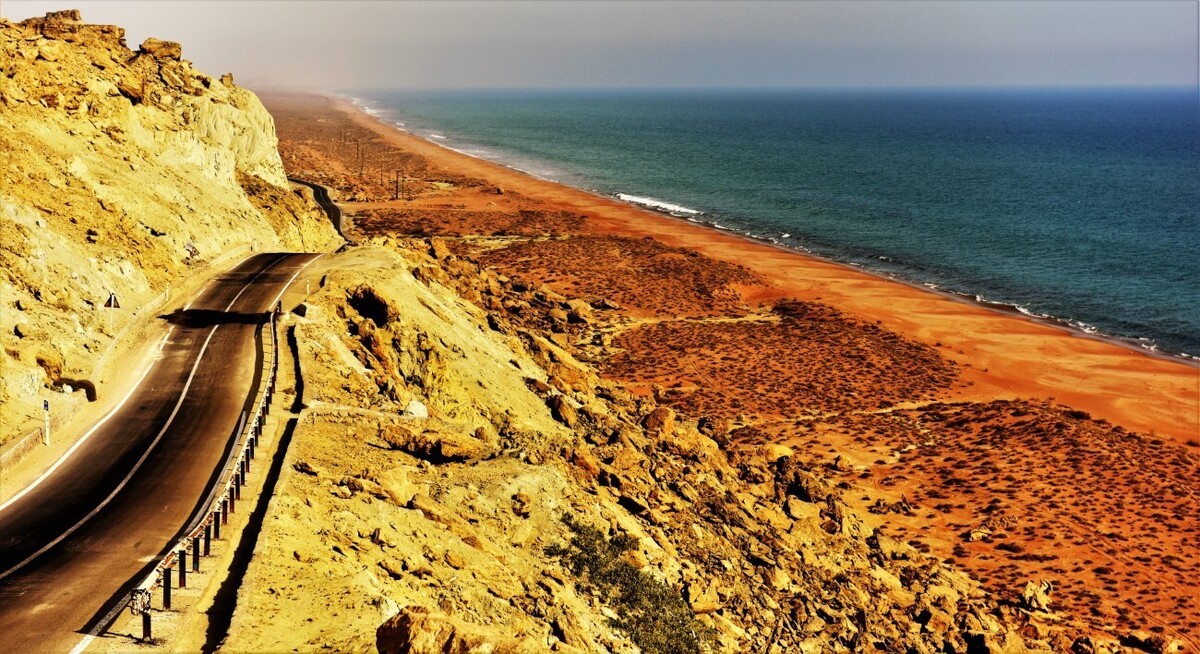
{"x":222,"y":499}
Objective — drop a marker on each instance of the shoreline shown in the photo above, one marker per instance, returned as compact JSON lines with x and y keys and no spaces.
{"x":1135,"y":344}
{"x":1002,"y":353}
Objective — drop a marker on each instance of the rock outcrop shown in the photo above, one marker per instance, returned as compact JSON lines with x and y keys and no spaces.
{"x":124,"y":171}
{"x":594,"y":519}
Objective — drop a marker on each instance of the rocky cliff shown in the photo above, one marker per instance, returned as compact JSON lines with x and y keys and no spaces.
{"x":123,"y":171}
{"x":461,"y":477}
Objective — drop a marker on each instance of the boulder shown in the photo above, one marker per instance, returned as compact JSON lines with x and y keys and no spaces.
{"x":133,"y":89}
{"x":435,"y":444}
{"x":438,"y":249}
{"x":702,"y":599}
{"x":1036,"y":596}
{"x":581,"y":312}
{"x":416,"y":409}
{"x":779,"y":579}
{"x":306,"y":468}
{"x":50,"y":51}
{"x":660,"y":422}
{"x":584,"y":461}
{"x":561,"y":409}
{"x":567,"y":628}
{"x":162,"y":50}
{"x":397,"y":486}
{"x":712,"y":426}
{"x":773,"y":452}
{"x":418,"y":630}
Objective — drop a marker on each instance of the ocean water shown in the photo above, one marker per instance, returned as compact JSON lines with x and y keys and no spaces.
{"x":1078,"y":205}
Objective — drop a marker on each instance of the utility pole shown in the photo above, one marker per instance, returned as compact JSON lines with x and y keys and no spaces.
{"x":396,"y":187}
{"x":46,"y":418}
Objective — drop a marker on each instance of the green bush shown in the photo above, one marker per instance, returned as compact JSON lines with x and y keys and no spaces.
{"x":653,"y":614}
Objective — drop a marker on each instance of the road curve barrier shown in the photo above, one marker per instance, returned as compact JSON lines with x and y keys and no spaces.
{"x":205,"y":526}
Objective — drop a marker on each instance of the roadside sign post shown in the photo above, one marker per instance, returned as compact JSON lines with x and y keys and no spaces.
{"x":46,"y":419}
{"x":111,"y":303}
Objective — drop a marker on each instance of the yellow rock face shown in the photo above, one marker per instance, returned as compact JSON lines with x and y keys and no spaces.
{"x":122,"y":172}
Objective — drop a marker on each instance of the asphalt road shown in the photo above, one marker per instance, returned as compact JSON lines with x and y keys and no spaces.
{"x":72,"y":545}
{"x":321,"y":195}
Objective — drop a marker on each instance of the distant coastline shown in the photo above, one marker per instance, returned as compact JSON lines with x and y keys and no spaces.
{"x":667,"y":208}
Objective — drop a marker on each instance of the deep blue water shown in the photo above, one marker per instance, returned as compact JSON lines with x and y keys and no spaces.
{"x":1082,"y":205}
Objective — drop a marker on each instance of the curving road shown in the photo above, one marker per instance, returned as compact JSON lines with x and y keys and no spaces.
{"x":74,"y":543}
{"x":321,"y":195}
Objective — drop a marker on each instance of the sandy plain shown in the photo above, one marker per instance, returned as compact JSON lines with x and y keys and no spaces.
{"x":1020,"y":450}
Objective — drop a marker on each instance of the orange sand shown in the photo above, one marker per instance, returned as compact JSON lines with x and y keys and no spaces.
{"x":945,"y":417}
{"x":1011,"y":356}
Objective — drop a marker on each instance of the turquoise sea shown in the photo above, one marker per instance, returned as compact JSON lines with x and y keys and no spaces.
{"x":1077,"y":205}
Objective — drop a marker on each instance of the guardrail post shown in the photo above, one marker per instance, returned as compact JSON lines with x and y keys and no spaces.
{"x":196,"y":554}
{"x":224,"y":513}
{"x":166,"y":581}
{"x":208,"y":528}
{"x":183,"y":567}
{"x":146,"y":631}
{"x":233,"y":499}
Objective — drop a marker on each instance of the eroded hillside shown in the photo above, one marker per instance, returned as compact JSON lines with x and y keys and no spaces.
{"x":124,"y":171}
{"x":461,"y":478}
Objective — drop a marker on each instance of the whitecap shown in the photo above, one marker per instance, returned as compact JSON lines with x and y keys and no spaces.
{"x":658,"y":204}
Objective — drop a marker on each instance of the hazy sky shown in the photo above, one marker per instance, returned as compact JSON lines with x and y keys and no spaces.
{"x":345,"y":45}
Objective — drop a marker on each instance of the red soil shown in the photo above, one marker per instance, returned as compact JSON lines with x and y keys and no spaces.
{"x":849,"y":368}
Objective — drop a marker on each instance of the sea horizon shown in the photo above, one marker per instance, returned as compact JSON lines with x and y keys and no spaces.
{"x":868,"y":224}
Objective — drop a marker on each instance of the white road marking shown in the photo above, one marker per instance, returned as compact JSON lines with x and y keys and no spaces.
{"x":170,"y":419}
{"x":91,"y":431}
{"x":86,"y":641}
{"x":289,"y":283}
{"x":161,"y":345}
